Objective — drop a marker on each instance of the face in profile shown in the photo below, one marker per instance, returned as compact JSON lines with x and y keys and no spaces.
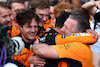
{"x":69,"y":26}
{"x":5,"y":16}
{"x":29,"y":31}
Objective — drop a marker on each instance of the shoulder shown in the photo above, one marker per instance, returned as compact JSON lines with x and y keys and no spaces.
{"x":18,"y":44}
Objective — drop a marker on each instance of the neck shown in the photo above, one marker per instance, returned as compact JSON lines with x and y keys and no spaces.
{"x":27,"y":40}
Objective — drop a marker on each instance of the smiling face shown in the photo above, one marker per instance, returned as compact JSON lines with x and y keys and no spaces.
{"x":5,"y":16}
{"x":29,"y":31}
{"x":43,"y":15}
{"x":69,"y":26}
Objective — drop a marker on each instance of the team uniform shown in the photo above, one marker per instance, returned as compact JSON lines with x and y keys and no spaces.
{"x":49,"y":38}
{"x":74,"y":50}
{"x":77,"y":37}
{"x":22,"y":51}
{"x":52,"y":37}
{"x":40,"y":32}
{"x":14,"y":31}
{"x":50,"y":23}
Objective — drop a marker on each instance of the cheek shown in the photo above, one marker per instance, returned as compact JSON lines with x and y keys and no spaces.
{"x":47,"y":17}
{"x":72,"y":29}
{"x":36,"y":29}
{"x":14,"y":14}
{"x":11,"y":17}
{"x":40,"y":16}
{"x":26,"y":30}
{"x":2,"y":19}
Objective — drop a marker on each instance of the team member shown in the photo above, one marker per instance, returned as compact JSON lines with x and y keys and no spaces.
{"x":74,"y":51}
{"x":16,"y":6}
{"x":5,"y":14}
{"x":50,"y":23}
{"x":28,"y":22}
{"x":42,"y":10}
{"x":6,"y":17}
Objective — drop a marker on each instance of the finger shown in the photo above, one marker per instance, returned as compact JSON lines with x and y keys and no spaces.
{"x":93,"y":34}
{"x":39,"y":63}
{"x":37,"y":66}
{"x":96,"y":36}
{"x":37,"y":58}
{"x":42,"y":65}
{"x":40,"y":59}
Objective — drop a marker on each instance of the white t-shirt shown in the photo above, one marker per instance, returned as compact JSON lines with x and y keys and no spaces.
{"x":96,"y":47}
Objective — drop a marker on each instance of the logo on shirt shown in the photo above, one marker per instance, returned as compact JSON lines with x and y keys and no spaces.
{"x":42,"y":39}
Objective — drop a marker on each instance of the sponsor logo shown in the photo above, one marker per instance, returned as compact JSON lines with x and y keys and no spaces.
{"x":84,"y":34}
{"x":68,"y":34}
{"x":77,"y":34}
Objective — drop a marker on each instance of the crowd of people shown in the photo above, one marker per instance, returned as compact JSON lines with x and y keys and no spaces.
{"x":52,"y":33}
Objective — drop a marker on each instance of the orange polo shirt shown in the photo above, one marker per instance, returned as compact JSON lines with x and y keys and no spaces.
{"x":73,"y":46}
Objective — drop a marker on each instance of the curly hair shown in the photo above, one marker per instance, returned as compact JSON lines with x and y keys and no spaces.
{"x":61,"y":7}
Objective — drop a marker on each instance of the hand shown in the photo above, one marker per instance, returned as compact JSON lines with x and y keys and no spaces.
{"x":94,"y":34}
{"x":97,"y":4}
{"x":36,"y":61}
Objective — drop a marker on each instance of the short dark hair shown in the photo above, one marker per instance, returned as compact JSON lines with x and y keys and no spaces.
{"x":26,"y":17}
{"x":53,"y":3}
{"x":4,"y":5}
{"x":61,"y":19}
{"x":41,"y":4}
{"x":83,"y":22}
{"x":12,"y":1}
{"x":26,"y":0}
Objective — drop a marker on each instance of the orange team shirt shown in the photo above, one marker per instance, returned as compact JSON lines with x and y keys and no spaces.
{"x":14,"y":31}
{"x":77,"y":37}
{"x":40,"y":33}
{"x":23,"y":56}
{"x":50,"y":23}
{"x":74,"y":49}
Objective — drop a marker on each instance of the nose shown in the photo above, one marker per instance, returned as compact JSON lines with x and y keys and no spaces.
{"x":62,"y":29}
{"x":11,"y":17}
{"x":33,"y":29}
{"x":8,"y":19}
{"x":44,"y":18}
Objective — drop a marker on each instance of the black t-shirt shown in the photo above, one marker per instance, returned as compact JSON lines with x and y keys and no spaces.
{"x":49,"y":38}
